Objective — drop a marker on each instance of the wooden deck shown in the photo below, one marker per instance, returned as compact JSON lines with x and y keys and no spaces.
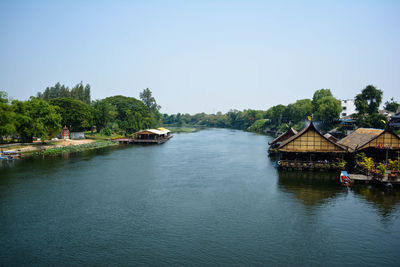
{"x":361,"y":178}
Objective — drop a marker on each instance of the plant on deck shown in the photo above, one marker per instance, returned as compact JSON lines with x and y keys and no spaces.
{"x":381,"y":170}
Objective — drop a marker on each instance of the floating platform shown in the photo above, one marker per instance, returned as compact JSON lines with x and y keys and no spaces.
{"x":142,"y":141}
{"x":361,"y":178}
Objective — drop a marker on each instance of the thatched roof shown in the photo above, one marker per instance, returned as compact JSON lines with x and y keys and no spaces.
{"x":359,"y":137}
{"x":289,"y":133}
{"x":331,"y":137}
{"x":310,"y":140}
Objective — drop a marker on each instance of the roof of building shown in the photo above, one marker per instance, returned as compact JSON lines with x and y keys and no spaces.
{"x":289,"y":133}
{"x":154,"y":131}
{"x":359,"y":137}
{"x":319,"y":142}
{"x":330,"y":137}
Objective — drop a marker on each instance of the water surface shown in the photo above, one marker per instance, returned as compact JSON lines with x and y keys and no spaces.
{"x":211,"y":197}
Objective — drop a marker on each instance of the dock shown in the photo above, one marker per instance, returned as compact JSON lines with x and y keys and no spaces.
{"x":362,"y":178}
{"x":142,"y":141}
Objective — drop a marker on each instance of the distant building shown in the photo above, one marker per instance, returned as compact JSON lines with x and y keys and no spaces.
{"x":348,"y":108}
{"x":65,"y":133}
{"x":395,"y":120}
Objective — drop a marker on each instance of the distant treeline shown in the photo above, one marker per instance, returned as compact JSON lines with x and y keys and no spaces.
{"x":323,"y":108}
{"x":43,"y":116}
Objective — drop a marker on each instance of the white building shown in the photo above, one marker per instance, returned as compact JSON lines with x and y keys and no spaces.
{"x":348,"y":107}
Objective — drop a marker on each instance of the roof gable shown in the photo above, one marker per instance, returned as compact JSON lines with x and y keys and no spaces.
{"x":309,"y":140}
{"x":386,"y":139}
{"x":359,"y":137}
{"x":289,"y":133}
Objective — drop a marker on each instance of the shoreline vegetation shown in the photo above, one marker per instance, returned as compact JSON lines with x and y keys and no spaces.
{"x":43,"y":116}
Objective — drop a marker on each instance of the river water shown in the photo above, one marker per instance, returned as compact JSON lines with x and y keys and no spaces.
{"x":207,"y":198}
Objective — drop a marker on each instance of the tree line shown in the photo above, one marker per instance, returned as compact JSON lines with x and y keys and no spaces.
{"x":44,"y":115}
{"x":323,"y":108}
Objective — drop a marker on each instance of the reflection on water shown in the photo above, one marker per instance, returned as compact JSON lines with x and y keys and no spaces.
{"x":310,"y":188}
{"x":384,"y":200}
{"x":316,"y":188}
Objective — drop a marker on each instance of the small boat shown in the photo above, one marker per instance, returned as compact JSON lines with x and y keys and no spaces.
{"x":345,"y":179}
{"x":10,"y":155}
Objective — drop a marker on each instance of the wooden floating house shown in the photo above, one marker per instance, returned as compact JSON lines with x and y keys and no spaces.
{"x":148,"y":136}
{"x":310,"y":149}
{"x":373,"y":142}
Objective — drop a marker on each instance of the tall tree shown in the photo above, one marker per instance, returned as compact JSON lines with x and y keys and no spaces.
{"x":87,"y":94}
{"x":328,"y":111}
{"x":75,"y":114}
{"x":368,"y":101}
{"x":318,"y":95}
{"x":149,"y":100}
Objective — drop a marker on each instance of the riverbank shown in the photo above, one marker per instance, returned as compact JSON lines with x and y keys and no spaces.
{"x":59,"y":146}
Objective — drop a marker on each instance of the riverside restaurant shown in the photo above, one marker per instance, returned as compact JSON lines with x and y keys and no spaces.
{"x":310,"y":149}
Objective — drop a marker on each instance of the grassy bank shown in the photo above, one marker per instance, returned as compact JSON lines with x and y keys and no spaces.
{"x":100,"y":137}
{"x":77,"y":148}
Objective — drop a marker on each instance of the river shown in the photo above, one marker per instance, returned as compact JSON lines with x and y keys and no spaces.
{"x":207,"y":198}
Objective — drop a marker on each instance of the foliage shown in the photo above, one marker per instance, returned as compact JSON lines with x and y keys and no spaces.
{"x":150,"y":102}
{"x":131,"y":114}
{"x":381,"y":168}
{"x":368,"y":101}
{"x":75,"y":114}
{"x":36,"y":118}
{"x":375,"y":120}
{"x":328,"y":111}
{"x":360,"y":156}
{"x":106,"y":131}
{"x":78,"y":148}
{"x":367,"y":163}
{"x":392,"y":106}
{"x":258,"y":126}
{"x":318,"y":95}
{"x":7,"y":116}
{"x":78,"y":92}
{"x":103,"y":113}
{"x":393,"y":165}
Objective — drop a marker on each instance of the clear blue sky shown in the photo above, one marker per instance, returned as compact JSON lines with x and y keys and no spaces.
{"x":202,"y":56}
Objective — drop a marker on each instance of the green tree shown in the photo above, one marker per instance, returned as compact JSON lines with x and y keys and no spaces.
{"x":7,"y":116}
{"x":328,"y":111}
{"x":392,"y":106}
{"x":368,"y":101}
{"x":318,"y":95}
{"x":103,"y":113}
{"x":78,"y":92}
{"x":149,"y":100}
{"x":36,"y":118}
{"x":300,"y":110}
{"x":75,"y":114}
{"x":131,"y":114}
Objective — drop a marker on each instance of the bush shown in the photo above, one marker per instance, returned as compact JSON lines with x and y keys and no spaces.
{"x":381,"y":169}
{"x":106,"y":131}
